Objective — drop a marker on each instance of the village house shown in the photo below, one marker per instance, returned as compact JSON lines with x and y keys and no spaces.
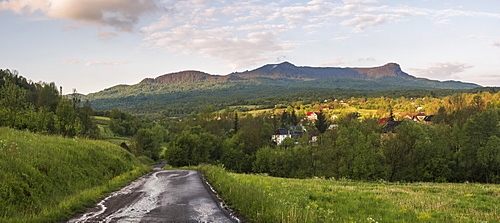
{"x":312,"y":116}
{"x":282,"y":133}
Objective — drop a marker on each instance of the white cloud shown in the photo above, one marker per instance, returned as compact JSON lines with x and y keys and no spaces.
{"x":238,"y":51}
{"x":335,"y":62}
{"x":472,"y":36}
{"x":244,"y":33}
{"x":367,"y":59}
{"x":313,"y":11}
{"x":70,"y":27}
{"x":496,"y":43}
{"x":71,"y":61}
{"x":122,"y":15}
{"x":455,"y":13}
{"x":341,"y":38}
{"x":443,"y":22}
{"x":359,"y":1}
{"x":106,"y":64}
{"x":107,"y":35}
{"x":443,"y":70}
{"x":362,"y":21}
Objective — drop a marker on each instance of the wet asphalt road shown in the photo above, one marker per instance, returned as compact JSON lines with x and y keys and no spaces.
{"x":161,"y":196}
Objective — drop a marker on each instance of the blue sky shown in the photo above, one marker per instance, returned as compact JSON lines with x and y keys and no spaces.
{"x":91,"y":45}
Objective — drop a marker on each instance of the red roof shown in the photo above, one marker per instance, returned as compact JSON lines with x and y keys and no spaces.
{"x":310,"y":113}
{"x":383,"y":120}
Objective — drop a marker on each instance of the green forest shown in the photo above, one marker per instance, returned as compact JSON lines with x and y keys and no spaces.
{"x":346,"y":140}
{"x":41,"y":108}
{"x":461,"y":143}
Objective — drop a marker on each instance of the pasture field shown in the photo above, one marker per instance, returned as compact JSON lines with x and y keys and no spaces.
{"x":106,"y":134}
{"x":50,"y":178}
{"x":261,"y":198}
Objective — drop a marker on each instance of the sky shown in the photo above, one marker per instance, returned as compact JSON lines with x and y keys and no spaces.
{"x":90,"y":45}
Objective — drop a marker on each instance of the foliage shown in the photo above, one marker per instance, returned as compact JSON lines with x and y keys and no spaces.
{"x":321,"y":123}
{"x":39,"y":107}
{"x":357,"y":148}
{"x":50,"y":178}
{"x":192,"y":147}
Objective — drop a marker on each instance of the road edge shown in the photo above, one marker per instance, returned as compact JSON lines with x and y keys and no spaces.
{"x":229,"y":212}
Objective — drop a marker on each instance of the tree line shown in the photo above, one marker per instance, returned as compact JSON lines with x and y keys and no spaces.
{"x":461,"y":144}
{"x":40,"y":107}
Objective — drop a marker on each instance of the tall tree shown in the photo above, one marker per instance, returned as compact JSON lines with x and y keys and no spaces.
{"x":321,"y":123}
{"x":477,"y":132}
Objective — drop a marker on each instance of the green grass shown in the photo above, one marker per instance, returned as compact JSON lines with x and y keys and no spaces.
{"x":50,"y":178}
{"x":101,"y":120}
{"x":106,"y":134}
{"x":268,"y":199}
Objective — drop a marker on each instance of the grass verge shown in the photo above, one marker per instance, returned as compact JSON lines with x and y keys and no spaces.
{"x":269,"y":199}
{"x":50,"y":178}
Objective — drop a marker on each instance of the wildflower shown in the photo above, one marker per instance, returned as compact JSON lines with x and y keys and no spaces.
{"x":424,"y":216}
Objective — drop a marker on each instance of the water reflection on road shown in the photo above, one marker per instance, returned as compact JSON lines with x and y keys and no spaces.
{"x":161,"y":196}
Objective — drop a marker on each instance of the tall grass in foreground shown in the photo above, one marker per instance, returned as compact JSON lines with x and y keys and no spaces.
{"x":269,"y":199}
{"x":50,"y":178}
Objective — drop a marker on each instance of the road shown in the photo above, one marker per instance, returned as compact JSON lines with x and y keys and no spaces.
{"x":161,"y":196}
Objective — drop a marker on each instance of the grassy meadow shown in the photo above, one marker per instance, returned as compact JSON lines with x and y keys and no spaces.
{"x":50,"y":178}
{"x":106,"y":134}
{"x":262,"y":198}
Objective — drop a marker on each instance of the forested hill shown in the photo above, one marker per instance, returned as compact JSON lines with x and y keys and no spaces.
{"x":288,"y":70}
{"x":184,"y":92}
{"x":187,"y":77}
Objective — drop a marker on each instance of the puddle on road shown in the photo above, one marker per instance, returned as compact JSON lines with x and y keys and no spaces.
{"x":161,"y":196}
{"x":147,"y":185}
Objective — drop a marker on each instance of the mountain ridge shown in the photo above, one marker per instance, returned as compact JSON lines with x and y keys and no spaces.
{"x":288,"y":71}
{"x":187,"y":91}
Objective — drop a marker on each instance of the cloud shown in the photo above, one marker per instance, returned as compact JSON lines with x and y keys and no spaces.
{"x":240,"y":33}
{"x":362,"y":21}
{"x":243,"y":33}
{"x":359,"y":1}
{"x":444,"y":22}
{"x":367,"y":59}
{"x":313,"y":12}
{"x":107,"y":35}
{"x":218,"y":42}
{"x":70,"y":27}
{"x":442,"y":70}
{"x":281,"y":58}
{"x":106,"y":63}
{"x":473,"y":36}
{"x":71,"y":61}
{"x":496,"y":43}
{"x":341,"y":38}
{"x":123,"y":15}
{"x":456,"y":13}
{"x":335,"y":62}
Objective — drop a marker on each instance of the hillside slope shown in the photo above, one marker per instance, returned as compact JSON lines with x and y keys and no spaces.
{"x":288,"y":70}
{"x":50,"y":178}
{"x":184,"y":92}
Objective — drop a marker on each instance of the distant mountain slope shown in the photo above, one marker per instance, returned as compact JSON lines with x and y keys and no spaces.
{"x":186,"y":91}
{"x":288,"y":70}
{"x":185,"y":77}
